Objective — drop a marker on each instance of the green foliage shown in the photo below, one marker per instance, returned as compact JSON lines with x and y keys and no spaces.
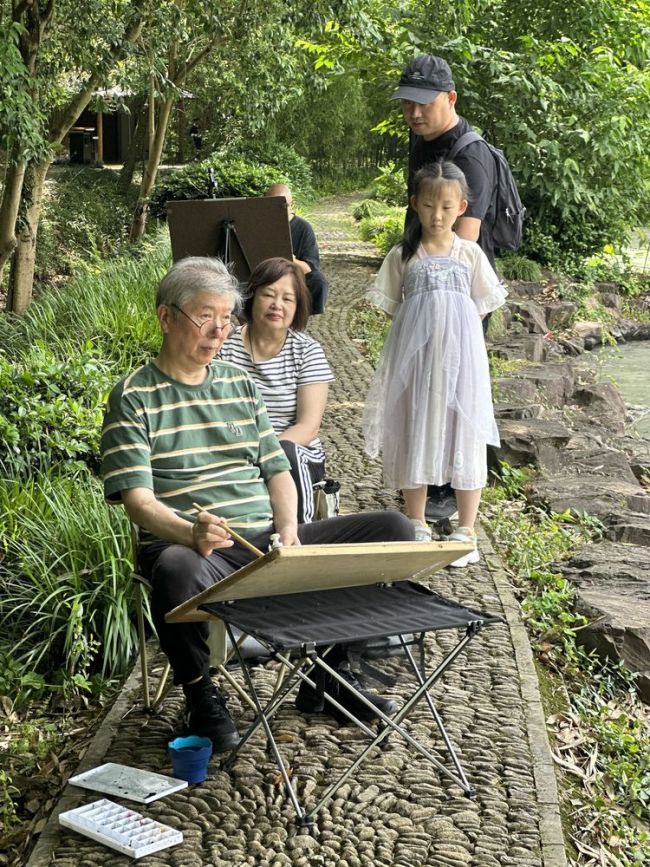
{"x":368,"y":208}
{"x":51,"y":408}
{"x":85,"y":219}
{"x":21,"y":119}
{"x":565,"y":92}
{"x":514,"y":266}
{"x":8,"y":795}
{"x":111,"y":305}
{"x":390,"y":184}
{"x":384,"y":230}
{"x":287,"y":162}
{"x":65,"y":607}
{"x":66,"y":585}
{"x":235,"y":176}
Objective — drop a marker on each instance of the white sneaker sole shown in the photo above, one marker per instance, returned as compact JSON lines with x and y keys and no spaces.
{"x":467,"y":560}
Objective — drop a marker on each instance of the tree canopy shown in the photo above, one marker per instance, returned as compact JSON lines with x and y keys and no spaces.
{"x":565,"y":91}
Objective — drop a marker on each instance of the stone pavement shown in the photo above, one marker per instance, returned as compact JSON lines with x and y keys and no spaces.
{"x":396,"y":810}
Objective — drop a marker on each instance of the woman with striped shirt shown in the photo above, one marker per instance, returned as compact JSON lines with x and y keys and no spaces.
{"x":288,"y":367}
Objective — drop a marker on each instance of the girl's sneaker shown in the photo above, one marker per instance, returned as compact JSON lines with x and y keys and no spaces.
{"x":422,"y":531}
{"x":464,"y":534}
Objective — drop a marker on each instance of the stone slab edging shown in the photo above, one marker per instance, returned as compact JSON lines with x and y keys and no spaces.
{"x":550,"y":823}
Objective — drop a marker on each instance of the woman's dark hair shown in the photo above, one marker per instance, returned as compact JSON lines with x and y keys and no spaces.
{"x":270,"y":271}
{"x":434,"y":174}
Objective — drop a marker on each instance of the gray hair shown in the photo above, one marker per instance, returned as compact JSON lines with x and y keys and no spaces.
{"x":195,"y":275}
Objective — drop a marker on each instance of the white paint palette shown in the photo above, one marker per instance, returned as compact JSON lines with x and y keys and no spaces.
{"x":121,"y":829}
{"x":122,"y":781}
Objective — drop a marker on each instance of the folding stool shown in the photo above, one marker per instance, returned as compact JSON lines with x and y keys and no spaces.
{"x":355,"y":593}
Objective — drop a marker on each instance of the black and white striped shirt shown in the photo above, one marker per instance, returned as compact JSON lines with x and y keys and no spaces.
{"x":301,"y":361}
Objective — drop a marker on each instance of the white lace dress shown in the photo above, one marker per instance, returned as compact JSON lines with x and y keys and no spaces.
{"x":429,"y":408}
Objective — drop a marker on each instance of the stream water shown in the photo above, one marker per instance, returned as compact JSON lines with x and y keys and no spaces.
{"x":628,"y":366}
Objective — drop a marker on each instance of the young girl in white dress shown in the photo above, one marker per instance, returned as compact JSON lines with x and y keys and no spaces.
{"x":429,"y":408}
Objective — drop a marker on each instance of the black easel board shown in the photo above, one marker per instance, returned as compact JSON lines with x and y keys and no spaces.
{"x":260,"y":229}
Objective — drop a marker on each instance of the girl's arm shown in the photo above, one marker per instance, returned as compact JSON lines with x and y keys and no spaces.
{"x":311,"y":400}
{"x":488,"y":292}
{"x":385,"y":291}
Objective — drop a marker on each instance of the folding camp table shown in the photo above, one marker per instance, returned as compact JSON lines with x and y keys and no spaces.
{"x":301,"y":601}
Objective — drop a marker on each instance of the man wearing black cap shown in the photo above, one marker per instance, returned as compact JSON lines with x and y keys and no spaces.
{"x":428,"y":96}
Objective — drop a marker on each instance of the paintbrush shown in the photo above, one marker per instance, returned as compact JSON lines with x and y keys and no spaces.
{"x":234,"y":535}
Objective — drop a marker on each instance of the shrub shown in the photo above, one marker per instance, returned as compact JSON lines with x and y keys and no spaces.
{"x":243,"y":176}
{"x":286,"y":161}
{"x":368,"y":208}
{"x":384,"y":230}
{"x":66,"y":598}
{"x":85,"y":218}
{"x":390,"y":184}
{"x":110,"y":304}
{"x":514,"y":266}
{"x":51,"y":408}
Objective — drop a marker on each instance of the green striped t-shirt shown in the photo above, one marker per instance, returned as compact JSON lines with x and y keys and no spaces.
{"x":210,"y":444}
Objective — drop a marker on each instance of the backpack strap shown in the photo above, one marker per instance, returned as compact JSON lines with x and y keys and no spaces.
{"x":461,"y":143}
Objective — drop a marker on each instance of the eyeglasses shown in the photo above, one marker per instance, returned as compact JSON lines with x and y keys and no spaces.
{"x":205,"y":328}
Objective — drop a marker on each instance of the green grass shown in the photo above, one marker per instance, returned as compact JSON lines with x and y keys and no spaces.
{"x":110,"y":304}
{"x":66,"y":606}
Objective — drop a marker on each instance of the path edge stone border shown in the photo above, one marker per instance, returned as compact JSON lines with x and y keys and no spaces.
{"x":550,"y":823}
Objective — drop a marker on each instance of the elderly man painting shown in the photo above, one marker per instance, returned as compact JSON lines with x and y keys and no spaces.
{"x":187,"y":429}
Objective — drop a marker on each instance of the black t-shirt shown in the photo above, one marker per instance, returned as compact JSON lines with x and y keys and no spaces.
{"x":477,"y":164}
{"x":303,"y":241}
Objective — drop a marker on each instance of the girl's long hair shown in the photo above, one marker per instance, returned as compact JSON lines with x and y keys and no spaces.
{"x":437,"y":173}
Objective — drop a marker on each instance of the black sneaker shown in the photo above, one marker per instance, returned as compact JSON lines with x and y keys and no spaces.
{"x":310,"y":700}
{"x":207,"y":715}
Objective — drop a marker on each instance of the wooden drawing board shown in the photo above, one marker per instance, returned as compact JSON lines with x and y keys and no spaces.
{"x":261,"y":230}
{"x":305,"y":568}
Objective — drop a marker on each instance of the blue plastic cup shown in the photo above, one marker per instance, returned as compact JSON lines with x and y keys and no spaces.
{"x":190,"y":757}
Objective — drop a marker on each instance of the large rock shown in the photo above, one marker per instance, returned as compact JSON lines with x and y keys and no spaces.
{"x":594,"y":494}
{"x":521,"y":289}
{"x":513,"y":390}
{"x":530,"y":314}
{"x":613,"y":592}
{"x":538,"y":441}
{"x":517,"y":411}
{"x":554,"y":382}
{"x":629,"y":527}
{"x":601,"y":404}
{"x":638,"y":453}
{"x":630,"y":329}
{"x":560,"y":314}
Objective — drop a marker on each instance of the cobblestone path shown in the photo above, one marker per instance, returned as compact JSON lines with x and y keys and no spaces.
{"x":396,"y":811}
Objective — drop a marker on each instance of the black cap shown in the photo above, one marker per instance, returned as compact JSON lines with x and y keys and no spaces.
{"x":423,"y":79}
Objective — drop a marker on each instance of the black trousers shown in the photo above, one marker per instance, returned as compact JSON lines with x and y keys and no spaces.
{"x":177,"y":573}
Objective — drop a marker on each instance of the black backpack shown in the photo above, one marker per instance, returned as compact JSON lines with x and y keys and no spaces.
{"x":509,"y":212}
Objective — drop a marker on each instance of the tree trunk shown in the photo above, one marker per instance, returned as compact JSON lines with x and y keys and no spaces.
{"x":181,"y":151}
{"x":13,"y":185}
{"x":136,"y":146}
{"x":156,"y":143}
{"x":21,"y":281}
